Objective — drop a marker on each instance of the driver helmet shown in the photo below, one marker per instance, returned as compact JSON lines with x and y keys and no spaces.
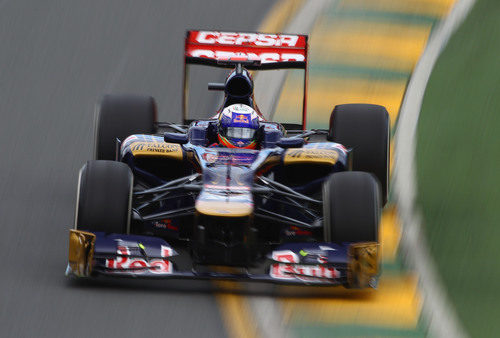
{"x":238,"y":124}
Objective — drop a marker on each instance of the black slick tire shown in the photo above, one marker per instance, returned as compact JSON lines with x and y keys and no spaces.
{"x":119,"y":116}
{"x":365,"y":128}
{"x":104,"y":197}
{"x":351,"y":207}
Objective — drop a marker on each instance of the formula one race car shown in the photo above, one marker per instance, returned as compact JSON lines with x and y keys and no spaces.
{"x":274,"y":202}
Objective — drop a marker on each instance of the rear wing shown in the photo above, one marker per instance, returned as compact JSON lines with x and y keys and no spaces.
{"x":253,"y":50}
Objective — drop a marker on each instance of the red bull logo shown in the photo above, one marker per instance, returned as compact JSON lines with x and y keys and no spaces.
{"x":241,"y":118}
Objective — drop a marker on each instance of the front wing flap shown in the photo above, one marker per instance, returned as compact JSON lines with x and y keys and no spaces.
{"x":350,"y":264}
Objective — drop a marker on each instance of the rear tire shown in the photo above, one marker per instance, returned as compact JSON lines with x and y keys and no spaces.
{"x":351,"y":207}
{"x":365,"y":128}
{"x":119,"y":116}
{"x":104,"y":197}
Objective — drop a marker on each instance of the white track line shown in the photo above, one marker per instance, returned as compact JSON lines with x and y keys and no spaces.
{"x":437,"y":311}
{"x":266,"y":311}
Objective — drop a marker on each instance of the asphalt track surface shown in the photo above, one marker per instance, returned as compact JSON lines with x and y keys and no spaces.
{"x":57,"y":58}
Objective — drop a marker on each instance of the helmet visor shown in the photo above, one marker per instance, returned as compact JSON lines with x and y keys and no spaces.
{"x":240,"y":133}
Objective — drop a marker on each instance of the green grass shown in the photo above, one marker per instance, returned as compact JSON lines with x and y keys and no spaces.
{"x":458,"y":159}
{"x":319,"y":331}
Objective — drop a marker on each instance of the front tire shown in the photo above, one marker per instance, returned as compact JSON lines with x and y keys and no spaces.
{"x":351,"y":207}
{"x":104,"y":197}
{"x":119,"y":116}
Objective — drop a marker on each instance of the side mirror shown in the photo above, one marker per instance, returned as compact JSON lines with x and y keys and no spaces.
{"x":175,"y":138}
{"x":290,"y":142}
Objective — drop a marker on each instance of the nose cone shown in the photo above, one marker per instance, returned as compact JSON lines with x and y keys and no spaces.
{"x":235,"y":204}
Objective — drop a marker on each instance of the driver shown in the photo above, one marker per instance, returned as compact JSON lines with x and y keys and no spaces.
{"x":237,"y":127}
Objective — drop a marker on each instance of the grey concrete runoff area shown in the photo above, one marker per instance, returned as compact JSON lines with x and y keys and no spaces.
{"x":57,"y":57}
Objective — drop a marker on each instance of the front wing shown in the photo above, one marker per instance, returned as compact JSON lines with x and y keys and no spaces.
{"x":353,"y":265}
